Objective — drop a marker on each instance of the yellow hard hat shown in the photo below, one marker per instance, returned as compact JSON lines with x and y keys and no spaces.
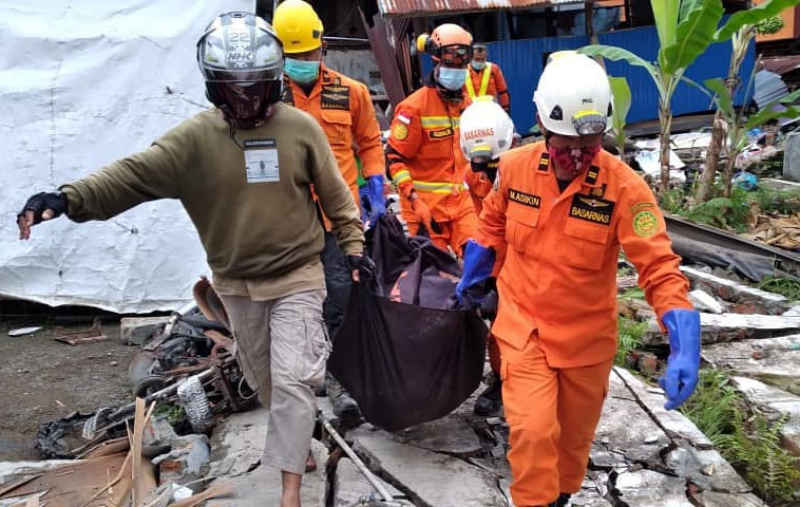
{"x":298,"y":26}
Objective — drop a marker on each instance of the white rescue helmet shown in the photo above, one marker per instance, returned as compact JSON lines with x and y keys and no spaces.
{"x":486,"y":130}
{"x":573,"y":97}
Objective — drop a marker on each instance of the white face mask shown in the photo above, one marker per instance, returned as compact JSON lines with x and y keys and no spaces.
{"x":452,"y":79}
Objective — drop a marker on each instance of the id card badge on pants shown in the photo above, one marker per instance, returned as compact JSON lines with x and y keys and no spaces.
{"x":261,"y":161}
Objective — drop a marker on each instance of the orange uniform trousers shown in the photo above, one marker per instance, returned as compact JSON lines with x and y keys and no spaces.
{"x":453,"y":233}
{"x":552,"y":414}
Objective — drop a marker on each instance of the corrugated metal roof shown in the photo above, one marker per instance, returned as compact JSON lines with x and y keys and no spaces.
{"x":427,"y":7}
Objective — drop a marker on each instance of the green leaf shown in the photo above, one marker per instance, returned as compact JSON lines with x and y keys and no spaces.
{"x":694,"y":34}
{"x":622,"y":100}
{"x":622,"y":104}
{"x":766,"y":114}
{"x":752,"y":16}
{"x":665,"y":13}
{"x":723,"y":98}
{"x":616,"y":54}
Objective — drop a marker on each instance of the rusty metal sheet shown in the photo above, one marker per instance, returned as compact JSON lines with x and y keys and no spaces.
{"x":428,"y":7}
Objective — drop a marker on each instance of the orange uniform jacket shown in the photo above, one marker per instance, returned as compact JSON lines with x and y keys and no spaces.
{"x":496,"y":86}
{"x":425,"y":151}
{"x":560,"y":249}
{"x":342,"y":106}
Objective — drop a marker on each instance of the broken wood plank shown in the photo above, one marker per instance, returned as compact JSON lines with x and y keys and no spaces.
{"x":11,"y":486}
{"x":80,"y":340}
{"x":136,"y":452}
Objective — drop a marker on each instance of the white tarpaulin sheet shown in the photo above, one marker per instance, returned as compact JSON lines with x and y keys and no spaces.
{"x":81,"y":85}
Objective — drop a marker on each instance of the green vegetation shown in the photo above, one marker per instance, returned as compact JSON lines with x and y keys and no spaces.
{"x":174,"y":413}
{"x":786,"y":287}
{"x":631,"y":333}
{"x":734,"y":212}
{"x":750,"y":442}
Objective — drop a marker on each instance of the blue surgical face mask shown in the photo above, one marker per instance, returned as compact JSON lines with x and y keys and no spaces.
{"x":478,"y":65}
{"x":452,"y":79}
{"x":301,"y":71}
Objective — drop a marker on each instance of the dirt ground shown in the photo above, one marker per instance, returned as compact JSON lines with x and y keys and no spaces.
{"x":42,"y":380}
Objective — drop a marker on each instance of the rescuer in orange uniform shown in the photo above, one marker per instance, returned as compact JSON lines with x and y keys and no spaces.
{"x":343,"y":108}
{"x":486,"y":78}
{"x":341,"y":105}
{"x":425,"y":159}
{"x":553,"y":227}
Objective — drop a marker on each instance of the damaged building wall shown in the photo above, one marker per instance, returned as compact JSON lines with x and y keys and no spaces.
{"x":85,"y":84}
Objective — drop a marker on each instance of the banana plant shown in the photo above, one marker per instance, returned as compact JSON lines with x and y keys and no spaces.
{"x":752,"y":20}
{"x":685,"y":30}
{"x":738,"y":125}
{"x":622,"y":104}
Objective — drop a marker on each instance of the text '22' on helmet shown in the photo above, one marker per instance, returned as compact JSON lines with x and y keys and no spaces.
{"x":298,"y":26}
{"x":241,"y":49}
{"x":486,"y":130}
{"x":573,"y":97}
{"x":449,"y":44}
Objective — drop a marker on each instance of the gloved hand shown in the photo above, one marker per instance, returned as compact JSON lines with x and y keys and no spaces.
{"x":375,"y":202}
{"x":473,"y":288}
{"x":683,"y":364}
{"x":423,"y":212}
{"x":362,"y":267}
{"x":41,"y":206}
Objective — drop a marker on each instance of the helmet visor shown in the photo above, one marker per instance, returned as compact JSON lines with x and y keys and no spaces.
{"x":456,"y":55}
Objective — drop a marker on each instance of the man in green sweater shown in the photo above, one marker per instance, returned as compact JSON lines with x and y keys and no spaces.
{"x":243,"y":171}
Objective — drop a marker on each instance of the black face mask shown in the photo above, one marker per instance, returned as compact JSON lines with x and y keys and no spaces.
{"x":244,"y":107}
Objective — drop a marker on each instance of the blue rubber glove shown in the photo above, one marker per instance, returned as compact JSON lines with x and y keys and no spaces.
{"x":375,"y":203}
{"x":680,"y":377}
{"x":478,"y":265}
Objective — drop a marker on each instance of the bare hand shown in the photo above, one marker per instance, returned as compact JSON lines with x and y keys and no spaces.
{"x":25,"y":222}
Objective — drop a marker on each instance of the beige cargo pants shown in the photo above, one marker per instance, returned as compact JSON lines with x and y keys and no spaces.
{"x":282,"y":347}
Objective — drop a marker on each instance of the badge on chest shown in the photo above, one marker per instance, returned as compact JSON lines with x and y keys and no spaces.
{"x":591,"y":208}
{"x":335,"y":97}
{"x":261,"y":161}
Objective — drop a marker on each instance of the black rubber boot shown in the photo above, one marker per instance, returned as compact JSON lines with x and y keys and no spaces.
{"x":490,"y":401}
{"x":561,"y":501}
{"x":344,"y":406}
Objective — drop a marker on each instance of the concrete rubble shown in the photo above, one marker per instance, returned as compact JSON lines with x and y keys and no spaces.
{"x":777,"y":404}
{"x":732,"y":327}
{"x":741,"y":298}
{"x":642,"y":455}
{"x":772,"y":360}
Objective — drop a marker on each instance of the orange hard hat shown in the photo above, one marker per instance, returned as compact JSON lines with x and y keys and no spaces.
{"x":448,"y":42}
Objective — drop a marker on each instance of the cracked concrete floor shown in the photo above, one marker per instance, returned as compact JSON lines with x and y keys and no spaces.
{"x":642,"y":456}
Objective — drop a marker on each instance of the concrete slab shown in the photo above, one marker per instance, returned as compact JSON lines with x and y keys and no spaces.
{"x":744,"y":299}
{"x":773,"y":361}
{"x":707,"y":469}
{"x":672,"y":421}
{"x":645,"y":488}
{"x":625,"y":434}
{"x":237,"y":443}
{"x":262,"y":486}
{"x":731,"y":327}
{"x":351,"y":488}
{"x":776,"y":402}
{"x":430,"y":479}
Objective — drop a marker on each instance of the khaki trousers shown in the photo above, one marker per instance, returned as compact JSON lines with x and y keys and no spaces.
{"x":282,"y":347}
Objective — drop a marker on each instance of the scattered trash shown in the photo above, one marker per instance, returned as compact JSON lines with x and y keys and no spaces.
{"x":783,"y":232}
{"x":650,"y":164}
{"x":93,"y":334}
{"x":22,"y":331}
{"x":745,"y":180}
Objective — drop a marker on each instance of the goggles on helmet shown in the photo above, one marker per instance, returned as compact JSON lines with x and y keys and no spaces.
{"x":457,"y":55}
{"x":588,"y":123}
